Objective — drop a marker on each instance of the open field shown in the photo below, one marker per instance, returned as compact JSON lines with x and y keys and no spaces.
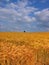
{"x":24,"y":48}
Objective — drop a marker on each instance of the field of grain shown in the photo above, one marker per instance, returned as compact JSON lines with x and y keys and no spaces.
{"x":24,"y":48}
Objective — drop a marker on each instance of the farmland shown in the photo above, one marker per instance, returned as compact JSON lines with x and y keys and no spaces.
{"x":24,"y":48}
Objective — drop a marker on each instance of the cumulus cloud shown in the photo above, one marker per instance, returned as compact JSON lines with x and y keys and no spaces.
{"x":43,"y":18}
{"x":20,"y":16}
{"x":17,"y":13}
{"x":43,"y":15}
{"x":14,"y":12}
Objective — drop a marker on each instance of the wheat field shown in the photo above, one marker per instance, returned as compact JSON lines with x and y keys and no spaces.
{"x":19,"y":48}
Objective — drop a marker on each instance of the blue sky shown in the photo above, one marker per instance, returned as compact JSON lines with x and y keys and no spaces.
{"x":28,"y":15}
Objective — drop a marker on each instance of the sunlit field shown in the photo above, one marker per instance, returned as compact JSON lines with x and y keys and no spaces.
{"x":24,"y":48}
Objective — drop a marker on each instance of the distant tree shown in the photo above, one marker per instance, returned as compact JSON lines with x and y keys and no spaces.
{"x":24,"y":31}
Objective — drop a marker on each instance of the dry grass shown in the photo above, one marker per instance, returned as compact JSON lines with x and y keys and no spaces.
{"x":24,"y":48}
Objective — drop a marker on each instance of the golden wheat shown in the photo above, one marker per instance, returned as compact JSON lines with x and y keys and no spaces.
{"x":24,"y":48}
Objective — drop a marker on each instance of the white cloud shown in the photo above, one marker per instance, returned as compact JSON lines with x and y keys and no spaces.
{"x":33,"y":19}
{"x":29,"y":19}
{"x":43,"y":15}
{"x":15,"y":16}
{"x":42,"y":18}
{"x":17,"y":12}
{"x":22,"y":15}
